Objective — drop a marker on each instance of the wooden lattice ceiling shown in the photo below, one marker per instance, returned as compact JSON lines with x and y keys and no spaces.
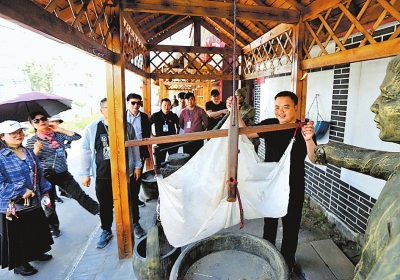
{"x":263,"y":31}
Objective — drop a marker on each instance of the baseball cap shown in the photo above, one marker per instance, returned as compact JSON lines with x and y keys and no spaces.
{"x":214,"y":92}
{"x":10,"y":126}
{"x":56,"y":118}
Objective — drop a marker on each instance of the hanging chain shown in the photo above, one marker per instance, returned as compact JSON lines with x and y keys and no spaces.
{"x":316,"y":102}
{"x":234,"y":107}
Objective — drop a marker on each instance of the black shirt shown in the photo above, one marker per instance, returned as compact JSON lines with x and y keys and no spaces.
{"x":102,"y":152}
{"x":160,"y":119}
{"x":276,"y":143}
{"x":214,"y":107}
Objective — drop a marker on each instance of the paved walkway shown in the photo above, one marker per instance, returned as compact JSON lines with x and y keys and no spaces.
{"x":99,"y":264}
{"x":103,"y":264}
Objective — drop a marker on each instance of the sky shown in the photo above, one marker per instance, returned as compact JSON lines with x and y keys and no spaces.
{"x":83,"y":74}
{"x":83,"y":77}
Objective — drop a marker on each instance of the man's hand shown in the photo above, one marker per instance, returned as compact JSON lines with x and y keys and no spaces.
{"x":136,"y":173}
{"x":86,"y":181}
{"x":308,"y":130}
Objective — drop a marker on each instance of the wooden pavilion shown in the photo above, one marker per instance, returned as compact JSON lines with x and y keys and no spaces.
{"x":272,"y":37}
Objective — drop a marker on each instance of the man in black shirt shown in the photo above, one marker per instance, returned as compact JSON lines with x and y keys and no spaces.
{"x":166,"y":123}
{"x":215,"y":109}
{"x":276,"y":143}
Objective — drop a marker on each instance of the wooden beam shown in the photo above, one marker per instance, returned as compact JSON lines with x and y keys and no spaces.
{"x":373,"y":51}
{"x":132,"y":25}
{"x":390,"y":9}
{"x":298,"y":80}
{"x":216,"y":9}
{"x":219,"y":34}
{"x":208,"y":134}
{"x":278,"y":30}
{"x":316,"y":7}
{"x":30,"y":16}
{"x":189,"y":49}
{"x":281,"y":70}
{"x":115,"y":81}
{"x":197,"y":32}
{"x":192,"y":76}
{"x":295,"y":4}
{"x":229,"y":29}
{"x":136,"y":70}
{"x":160,"y":24}
{"x":177,"y":27}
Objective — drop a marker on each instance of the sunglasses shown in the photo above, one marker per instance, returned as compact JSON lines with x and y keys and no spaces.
{"x":136,"y":103}
{"x":43,"y":119}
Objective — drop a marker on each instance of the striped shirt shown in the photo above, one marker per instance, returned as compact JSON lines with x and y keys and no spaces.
{"x":50,"y":157}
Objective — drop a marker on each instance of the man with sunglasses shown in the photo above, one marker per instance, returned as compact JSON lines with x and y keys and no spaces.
{"x":48,"y":145}
{"x":141,"y":124}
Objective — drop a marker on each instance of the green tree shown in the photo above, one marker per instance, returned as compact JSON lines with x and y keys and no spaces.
{"x":41,"y":75}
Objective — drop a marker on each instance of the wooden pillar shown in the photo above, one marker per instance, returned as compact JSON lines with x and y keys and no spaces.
{"x":197,"y":32}
{"x":163,"y":90}
{"x":147,"y":97}
{"x":299,"y":77}
{"x":115,"y":81}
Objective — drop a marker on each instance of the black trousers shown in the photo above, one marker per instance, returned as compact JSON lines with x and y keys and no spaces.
{"x":105,"y":197}
{"x":50,"y":212}
{"x":67,"y":182}
{"x":193,"y":147}
{"x":134,"y":189}
{"x":291,"y":226}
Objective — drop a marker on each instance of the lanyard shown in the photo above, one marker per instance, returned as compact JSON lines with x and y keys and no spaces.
{"x":105,"y":127}
{"x":165,"y":120}
{"x":190,"y":114}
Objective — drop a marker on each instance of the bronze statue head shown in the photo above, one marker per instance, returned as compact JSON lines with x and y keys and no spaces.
{"x":241,"y":95}
{"x":387,"y":106}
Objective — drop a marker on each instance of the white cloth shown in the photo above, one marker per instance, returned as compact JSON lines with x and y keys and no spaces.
{"x":193,"y":202}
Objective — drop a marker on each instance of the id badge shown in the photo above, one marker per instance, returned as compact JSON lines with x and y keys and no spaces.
{"x":189,"y":124}
{"x":165,"y":128}
{"x":106,"y":153}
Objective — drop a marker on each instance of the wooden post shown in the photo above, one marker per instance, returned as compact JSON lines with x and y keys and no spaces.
{"x":147,"y":98}
{"x":115,"y":79}
{"x":233,"y":141}
{"x":299,"y":77}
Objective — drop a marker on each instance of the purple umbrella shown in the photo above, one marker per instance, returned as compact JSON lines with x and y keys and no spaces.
{"x":20,"y":107}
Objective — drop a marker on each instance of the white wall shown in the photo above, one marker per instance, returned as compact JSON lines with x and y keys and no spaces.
{"x":317,"y":85}
{"x":268,"y":91}
{"x":361,"y":131}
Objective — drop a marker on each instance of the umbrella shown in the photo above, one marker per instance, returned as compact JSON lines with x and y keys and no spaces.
{"x":20,"y":107}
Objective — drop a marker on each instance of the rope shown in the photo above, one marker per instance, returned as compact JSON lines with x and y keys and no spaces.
{"x":240,"y":209}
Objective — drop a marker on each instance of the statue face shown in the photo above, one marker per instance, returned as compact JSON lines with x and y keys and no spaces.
{"x":240,"y":98}
{"x":387,"y":109}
